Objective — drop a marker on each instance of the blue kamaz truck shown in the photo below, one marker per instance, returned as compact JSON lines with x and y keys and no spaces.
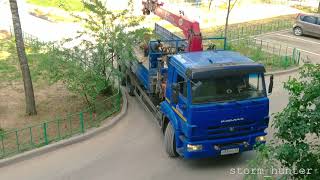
{"x":207,"y":103}
{"x":207,"y":100}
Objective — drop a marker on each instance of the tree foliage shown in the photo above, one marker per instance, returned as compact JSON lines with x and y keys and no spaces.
{"x":67,"y":66}
{"x":89,"y":65}
{"x":297,"y":144}
{"x":109,"y":36}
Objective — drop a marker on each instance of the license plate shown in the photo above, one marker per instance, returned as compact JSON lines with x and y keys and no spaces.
{"x":229,"y":151}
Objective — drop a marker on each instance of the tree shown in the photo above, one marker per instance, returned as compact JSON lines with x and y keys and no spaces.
{"x":113,"y":34}
{"x":210,"y":4}
{"x":230,"y":6}
{"x":28,"y":87}
{"x":319,"y":7}
{"x":105,"y":42}
{"x":296,"y":145}
{"x":229,"y":9}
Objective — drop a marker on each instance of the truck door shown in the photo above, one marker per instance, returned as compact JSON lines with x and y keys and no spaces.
{"x":181,"y":108}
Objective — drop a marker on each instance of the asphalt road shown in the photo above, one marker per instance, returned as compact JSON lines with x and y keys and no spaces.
{"x":308,"y":46}
{"x":133,"y":149}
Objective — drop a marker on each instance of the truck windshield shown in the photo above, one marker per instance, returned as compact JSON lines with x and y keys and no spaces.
{"x":229,"y":88}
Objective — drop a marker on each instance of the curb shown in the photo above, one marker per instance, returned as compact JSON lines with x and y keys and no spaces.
{"x":283,"y":72}
{"x":78,"y":138}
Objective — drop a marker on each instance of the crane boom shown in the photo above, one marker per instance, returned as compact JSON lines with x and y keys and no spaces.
{"x":190,"y":28}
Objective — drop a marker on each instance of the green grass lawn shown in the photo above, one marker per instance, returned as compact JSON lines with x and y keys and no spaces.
{"x":8,"y":61}
{"x":69,"y":5}
{"x":271,"y":61}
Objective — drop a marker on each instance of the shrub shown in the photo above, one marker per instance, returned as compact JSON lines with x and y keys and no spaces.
{"x":296,"y":145}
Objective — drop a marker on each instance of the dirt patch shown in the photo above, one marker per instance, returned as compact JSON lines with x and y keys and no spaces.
{"x":51,"y":101}
{"x":4,"y":34}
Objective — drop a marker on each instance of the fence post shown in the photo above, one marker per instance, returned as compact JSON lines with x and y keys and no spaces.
{"x":58,"y":126}
{"x":70,"y":124}
{"x":280,"y":50}
{"x":299,"y":53}
{"x":3,"y":150}
{"x":273,"y":55}
{"x":45,"y":136}
{"x":119,"y":99}
{"x":31,"y":138}
{"x":294,"y":55}
{"x":238,"y":34}
{"x":82,"y":122}
{"x":242,"y":31}
{"x":17,"y":141}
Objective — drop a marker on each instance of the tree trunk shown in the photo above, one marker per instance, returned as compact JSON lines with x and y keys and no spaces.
{"x":319,"y":7}
{"x":210,"y":4}
{"x":227,"y":20}
{"x":28,"y":88}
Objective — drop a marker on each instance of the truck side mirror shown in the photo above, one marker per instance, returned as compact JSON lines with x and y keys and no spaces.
{"x":270,"y":85}
{"x":175,"y":93}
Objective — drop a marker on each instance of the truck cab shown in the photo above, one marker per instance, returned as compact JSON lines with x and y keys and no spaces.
{"x":215,"y":104}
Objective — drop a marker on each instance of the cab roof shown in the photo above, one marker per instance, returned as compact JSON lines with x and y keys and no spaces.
{"x":214,"y":63}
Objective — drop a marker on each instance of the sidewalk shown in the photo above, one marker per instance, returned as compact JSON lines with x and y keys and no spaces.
{"x":44,"y":30}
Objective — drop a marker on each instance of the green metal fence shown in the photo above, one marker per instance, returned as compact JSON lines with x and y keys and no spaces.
{"x":37,"y":135}
{"x":272,"y":55}
{"x":242,"y":31}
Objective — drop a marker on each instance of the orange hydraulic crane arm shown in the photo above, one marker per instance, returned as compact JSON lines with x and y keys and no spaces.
{"x":191,"y":29}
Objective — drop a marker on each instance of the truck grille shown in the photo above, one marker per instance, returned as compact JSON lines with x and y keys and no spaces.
{"x":233,"y":130}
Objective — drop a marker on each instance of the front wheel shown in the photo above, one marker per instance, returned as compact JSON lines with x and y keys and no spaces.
{"x":169,"y":141}
{"x":297,"y":31}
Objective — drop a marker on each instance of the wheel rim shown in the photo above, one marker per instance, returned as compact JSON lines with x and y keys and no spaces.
{"x":297,"y":31}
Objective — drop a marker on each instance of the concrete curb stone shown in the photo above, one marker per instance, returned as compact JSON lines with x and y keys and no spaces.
{"x":283,"y":72}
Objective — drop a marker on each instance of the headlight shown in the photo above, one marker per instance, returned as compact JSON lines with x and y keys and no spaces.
{"x":192,"y":148}
{"x":261,"y":139}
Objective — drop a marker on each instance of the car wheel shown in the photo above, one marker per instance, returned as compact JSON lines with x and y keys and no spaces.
{"x":297,"y":31}
{"x":169,"y":141}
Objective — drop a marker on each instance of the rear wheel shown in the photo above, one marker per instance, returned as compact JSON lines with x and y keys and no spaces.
{"x":169,"y":141}
{"x":297,"y":31}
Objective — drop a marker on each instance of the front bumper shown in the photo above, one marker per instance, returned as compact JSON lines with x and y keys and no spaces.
{"x":209,"y":147}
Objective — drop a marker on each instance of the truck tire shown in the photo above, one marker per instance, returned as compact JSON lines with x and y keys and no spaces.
{"x":169,"y":141}
{"x":130,"y":87}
